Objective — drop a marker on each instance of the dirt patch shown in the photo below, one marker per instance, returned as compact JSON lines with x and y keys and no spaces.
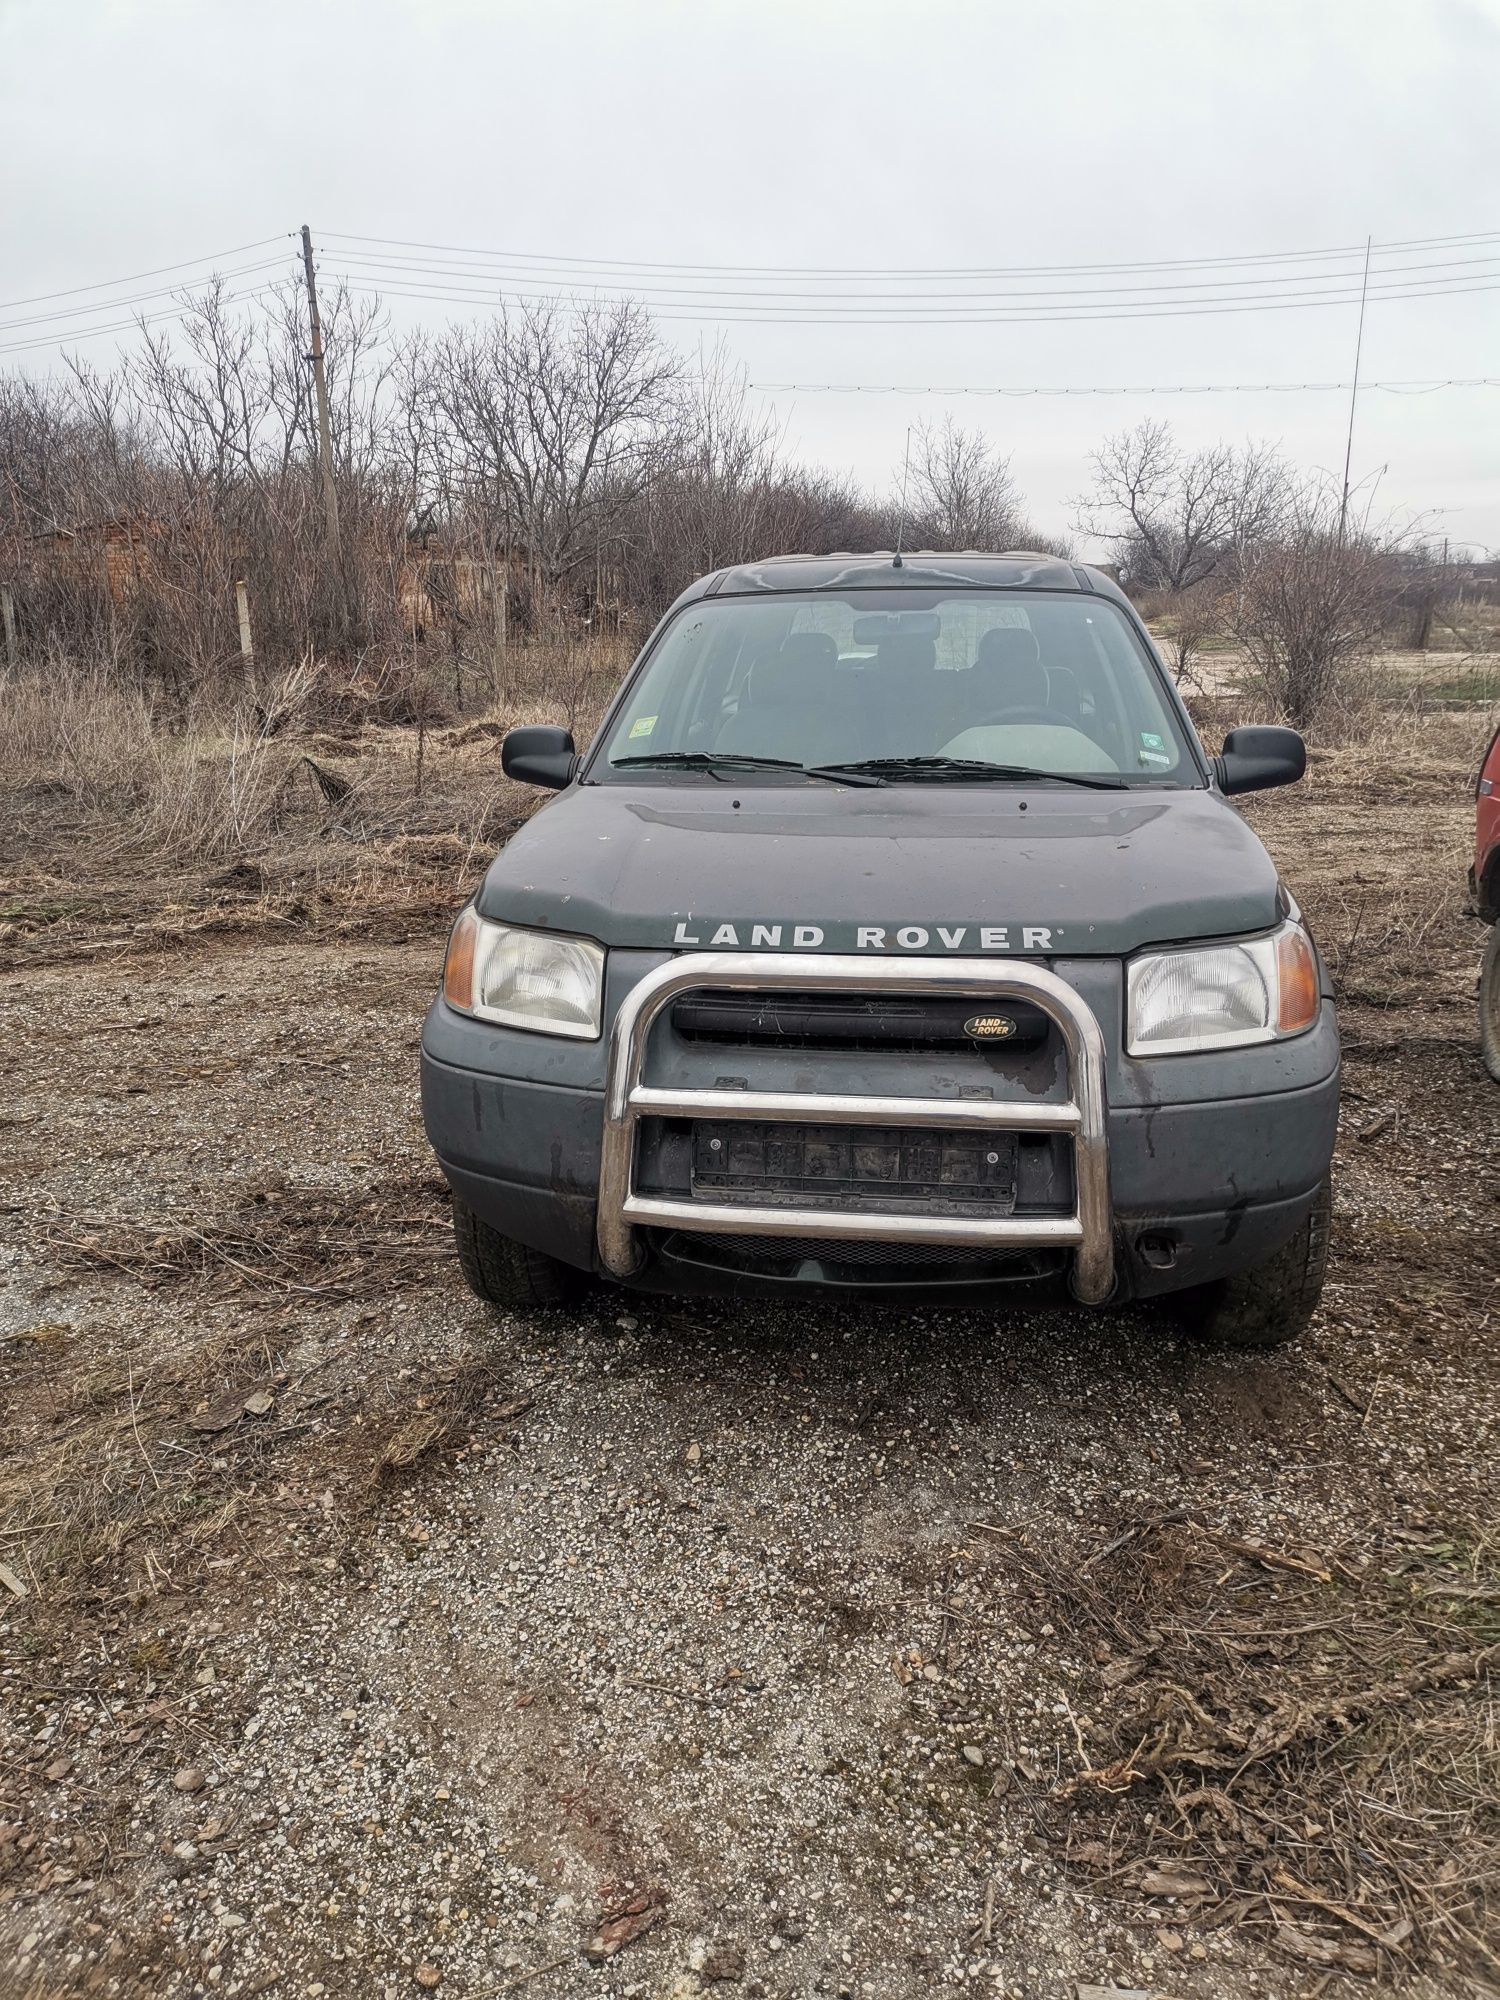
{"x":351,"y":1637}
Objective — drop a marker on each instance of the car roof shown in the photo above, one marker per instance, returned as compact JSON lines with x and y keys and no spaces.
{"x":918,"y":569}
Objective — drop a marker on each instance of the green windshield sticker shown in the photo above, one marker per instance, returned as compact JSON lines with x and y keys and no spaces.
{"x":1150,"y":742}
{"x":643,"y":725}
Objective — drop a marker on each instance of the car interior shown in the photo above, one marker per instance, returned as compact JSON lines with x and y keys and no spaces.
{"x":897,"y":699}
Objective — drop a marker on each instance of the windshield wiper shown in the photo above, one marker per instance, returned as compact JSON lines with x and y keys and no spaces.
{"x":965,"y":767}
{"x":731,"y":760}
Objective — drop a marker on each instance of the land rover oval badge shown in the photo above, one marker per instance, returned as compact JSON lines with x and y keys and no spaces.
{"x":990,"y":1027}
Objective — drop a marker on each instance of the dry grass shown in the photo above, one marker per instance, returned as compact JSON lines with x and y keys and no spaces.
{"x":282,"y":1240}
{"x":295,"y":812}
{"x":216,"y":787}
{"x":300,"y":756}
{"x":1377,"y":846}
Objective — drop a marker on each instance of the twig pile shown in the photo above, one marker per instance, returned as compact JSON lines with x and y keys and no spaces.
{"x":1300,"y":1743}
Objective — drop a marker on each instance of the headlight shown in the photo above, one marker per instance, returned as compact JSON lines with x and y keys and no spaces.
{"x":524,"y":979}
{"x":1222,"y":996}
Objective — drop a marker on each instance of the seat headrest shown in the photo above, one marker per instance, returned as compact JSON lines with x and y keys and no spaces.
{"x":1012,"y":671}
{"x":811,"y":649}
{"x":796,"y":676}
{"x":1007,"y":646}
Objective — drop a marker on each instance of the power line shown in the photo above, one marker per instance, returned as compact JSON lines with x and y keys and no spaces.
{"x":106,"y":284}
{"x":915,"y":309}
{"x":1025,"y":316}
{"x":406,"y":269}
{"x":138,"y":298}
{"x":651,"y":266}
{"x":1412,"y":386}
{"x":128,"y":325}
{"x":1309,"y":283}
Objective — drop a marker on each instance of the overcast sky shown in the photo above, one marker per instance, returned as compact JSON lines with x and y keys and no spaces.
{"x":815,"y":133}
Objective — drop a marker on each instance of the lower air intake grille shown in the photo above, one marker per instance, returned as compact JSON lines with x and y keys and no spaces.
{"x":781,"y":1254}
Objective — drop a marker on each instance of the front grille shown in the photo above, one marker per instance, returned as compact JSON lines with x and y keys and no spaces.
{"x":855,"y":1021}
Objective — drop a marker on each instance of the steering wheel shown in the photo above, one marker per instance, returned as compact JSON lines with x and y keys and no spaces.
{"x":1048,"y":716}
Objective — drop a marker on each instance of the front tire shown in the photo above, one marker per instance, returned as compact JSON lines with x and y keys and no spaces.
{"x":508,"y":1274}
{"x":1272,"y":1302}
{"x":1489,"y":1004}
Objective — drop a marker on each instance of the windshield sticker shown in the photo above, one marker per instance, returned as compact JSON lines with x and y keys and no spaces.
{"x":1153,"y":748}
{"x":643,"y":725}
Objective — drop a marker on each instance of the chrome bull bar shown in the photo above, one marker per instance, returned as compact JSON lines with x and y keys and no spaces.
{"x":628,"y":1098}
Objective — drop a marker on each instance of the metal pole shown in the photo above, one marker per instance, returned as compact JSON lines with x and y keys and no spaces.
{"x":1359,"y":341}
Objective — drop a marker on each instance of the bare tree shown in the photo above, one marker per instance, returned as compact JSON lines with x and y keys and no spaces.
{"x":1173,"y":518}
{"x":961,"y":493}
{"x":548,"y":422}
{"x":714,"y":497}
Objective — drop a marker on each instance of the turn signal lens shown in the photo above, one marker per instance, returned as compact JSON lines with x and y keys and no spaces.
{"x":1296,"y":981}
{"x":458,"y":968}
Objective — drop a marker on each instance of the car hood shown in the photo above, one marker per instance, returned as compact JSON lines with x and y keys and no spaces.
{"x":910,"y":868}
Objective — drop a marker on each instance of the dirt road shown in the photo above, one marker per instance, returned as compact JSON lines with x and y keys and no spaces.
{"x":355,"y":1642}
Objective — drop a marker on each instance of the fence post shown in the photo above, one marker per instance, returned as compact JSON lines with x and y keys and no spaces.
{"x":242,"y":605}
{"x":8,"y":620}
{"x":499,"y":593}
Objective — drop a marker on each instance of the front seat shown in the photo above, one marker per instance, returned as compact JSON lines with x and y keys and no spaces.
{"x":1008,"y":675}
{"x":786,"y":709}
{"x":899,"y":707}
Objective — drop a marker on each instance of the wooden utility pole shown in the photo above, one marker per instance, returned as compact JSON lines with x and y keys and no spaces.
{"x":325,"y":428}
{"x":8,"y":621}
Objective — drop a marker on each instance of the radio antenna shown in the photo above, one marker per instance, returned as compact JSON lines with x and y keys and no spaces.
{"x":901,"y":522}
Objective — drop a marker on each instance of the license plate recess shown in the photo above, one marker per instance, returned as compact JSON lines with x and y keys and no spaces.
{"x":894,"y":1168}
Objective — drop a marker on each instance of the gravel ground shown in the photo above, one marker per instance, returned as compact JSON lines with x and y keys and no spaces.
{"x":356,"y":1640}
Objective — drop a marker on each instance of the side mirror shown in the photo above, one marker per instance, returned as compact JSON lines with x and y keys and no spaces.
{"x":539,"y":755}
{"x":1263,"y":755}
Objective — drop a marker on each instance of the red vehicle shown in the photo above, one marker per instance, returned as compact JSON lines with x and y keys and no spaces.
{"x":1485,"y":879}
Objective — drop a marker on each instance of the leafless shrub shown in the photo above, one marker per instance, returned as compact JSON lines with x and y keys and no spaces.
{"x":718,"y":499}
{"x":1310,"y":608}
{"x":1188,"y":620}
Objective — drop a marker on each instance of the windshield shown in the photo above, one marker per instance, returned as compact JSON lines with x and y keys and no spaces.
{"x":944,"y":687}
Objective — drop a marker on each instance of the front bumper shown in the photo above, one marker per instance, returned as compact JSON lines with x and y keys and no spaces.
{"x":1164,"y":1194}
